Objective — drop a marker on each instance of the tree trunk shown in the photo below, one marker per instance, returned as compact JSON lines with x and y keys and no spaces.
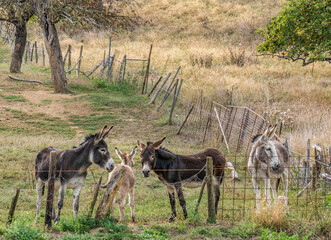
{"x":18,"y":52}
{"x":52,"y":44}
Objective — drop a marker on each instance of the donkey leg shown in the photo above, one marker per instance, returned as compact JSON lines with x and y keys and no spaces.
{"x":181,"y":199}
{"x":217,"y":197}
{"x":60,"y":202}
{"x":75,"y":203}
{"x":121,"y":205}
{"x":257,"y":192}
{"x":131,"y":202}
{"x":39,"y":185}
{"x":267,"y":190}
{"x":274,"y":189}
{"x":171,"y":192}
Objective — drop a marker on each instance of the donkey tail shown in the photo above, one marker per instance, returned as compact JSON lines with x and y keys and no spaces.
{"x":43,"y":190}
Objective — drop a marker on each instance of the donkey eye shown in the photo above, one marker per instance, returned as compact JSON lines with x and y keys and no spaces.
{"x":103,"y":150}
{"x":152,"y":157}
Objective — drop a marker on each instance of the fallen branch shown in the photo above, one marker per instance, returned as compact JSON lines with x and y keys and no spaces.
{"x":74,"y":67}
{"x":24,"y":80}
{"x":304,"y":189}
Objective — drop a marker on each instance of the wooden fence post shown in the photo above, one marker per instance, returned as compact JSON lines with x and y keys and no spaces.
{"x":157,"y":83}
{"x":166,"y":95}
{"x":210,"y":191}
{"x":65,"y":56}
{"x":79,"y":61}
{"x":144,"y":88}
{"x":111,"y":66}
{"x":188,"y":114}
{"x":36,"y":51}
{"x":95,"y":196}
{"x":110,"y":194}
{"x":13,"y":206}
{"x":174,"y":99}
{"x":43,"y":54}
{"x":121,"y":73}
{"x":159,"y":89}
{"x":69,"y":57}
{"x":31,"y":55}
{"x":108,"y":63}
{"x":50,"y":193}
{"x":27,"y":51}
{"x":220,"y":124}
{"x":307,"y":165}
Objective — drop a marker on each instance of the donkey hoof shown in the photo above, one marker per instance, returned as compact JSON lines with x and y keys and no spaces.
{"x":172,"y":219}
{"x":133,"y":219}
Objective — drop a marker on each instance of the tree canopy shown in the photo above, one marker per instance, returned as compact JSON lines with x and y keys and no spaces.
{"x":301,"y":31}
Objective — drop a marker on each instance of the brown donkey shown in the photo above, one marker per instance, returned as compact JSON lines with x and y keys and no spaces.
{"x":127,"y":186}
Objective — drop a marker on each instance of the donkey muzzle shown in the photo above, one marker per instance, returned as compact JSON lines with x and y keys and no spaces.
{"x":146,"y":171}
{"x":277,"y":168}
{"x":110,"y":165}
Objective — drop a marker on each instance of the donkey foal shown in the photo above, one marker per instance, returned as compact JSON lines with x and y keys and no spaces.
{"x":127,"y":186}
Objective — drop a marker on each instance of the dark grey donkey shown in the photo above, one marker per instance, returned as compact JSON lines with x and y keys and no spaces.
{"x":71,"y":167}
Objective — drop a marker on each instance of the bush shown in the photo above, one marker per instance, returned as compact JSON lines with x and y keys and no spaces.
{"x":79,"y":225}
{"x":24,"y":232}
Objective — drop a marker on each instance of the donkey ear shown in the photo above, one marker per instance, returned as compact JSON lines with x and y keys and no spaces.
{"x":105,"y":134}
{"x":118,"y":152}
{"x":141,"y":145}
{"x":266,"y":133}
{"x":158,"y":143}
{"x":272,"y":132}
{"x":133,"y":152}
{"x":101,"y":132}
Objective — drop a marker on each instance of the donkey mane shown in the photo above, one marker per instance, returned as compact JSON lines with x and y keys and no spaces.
{"x":254,"y":138}
{"x":165,"y":149}
{"x":87,"y":137}
{"x":165,"y":154}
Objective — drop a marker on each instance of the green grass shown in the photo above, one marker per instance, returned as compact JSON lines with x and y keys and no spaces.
{"x":4,"y":52}
{"x":38,"y":124}
{"x":13,"y":98}
{"x":92,"y":122}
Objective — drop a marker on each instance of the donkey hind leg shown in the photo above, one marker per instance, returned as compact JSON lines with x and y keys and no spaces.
{"x":121,"y":205}
{"x":75,"y":203}
{"x":131,"y":202}
{"x":171,"y":192}
{"x":257,"y":191}
{"x":60,"y":202}
{"x":181,"y":199}
{"x":39,"y":186}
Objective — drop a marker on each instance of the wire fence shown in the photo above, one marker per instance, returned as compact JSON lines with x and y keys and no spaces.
{"x":237,"y":198}
{"x":204,"y":121}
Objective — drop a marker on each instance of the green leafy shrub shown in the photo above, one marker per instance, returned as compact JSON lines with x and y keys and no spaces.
{"x":79,"y":225}
{"x":23,"y":231}
{"x":301,"y":31}
{"x":268,"y":235}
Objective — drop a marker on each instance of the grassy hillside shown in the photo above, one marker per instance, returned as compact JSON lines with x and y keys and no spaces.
{"x":33,"y":117}
{"x":209,"y":39}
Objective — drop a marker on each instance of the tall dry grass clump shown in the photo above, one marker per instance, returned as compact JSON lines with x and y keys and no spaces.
{"x":272,"y":217}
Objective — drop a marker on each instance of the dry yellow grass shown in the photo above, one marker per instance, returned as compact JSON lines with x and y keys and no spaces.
{"x":273,"y":217}
{"x":181,"y":29}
